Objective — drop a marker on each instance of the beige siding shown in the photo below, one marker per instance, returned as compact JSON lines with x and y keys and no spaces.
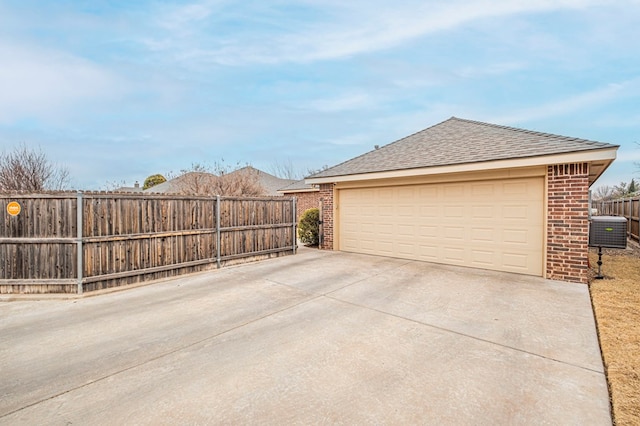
{"x":490,"y":224}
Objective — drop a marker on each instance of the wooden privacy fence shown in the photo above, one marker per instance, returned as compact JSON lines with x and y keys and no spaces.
{"x":627,"y":207}
{"x":86,"y":241}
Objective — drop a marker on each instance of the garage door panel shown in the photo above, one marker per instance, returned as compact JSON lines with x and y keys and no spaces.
{"x":516,"y":236}
{"x":482,"y":189}
{"x":384,"y":247}
{"x":482,"y":258}
{"x":427,"y":192}
{"x":482,"y":235}
{"x":454,"y":190}
{"x":486,"y":224}
{"x":454,"y":254}
{"x":406,"y":194}
{"x":517,"y":211}
{"x":406,"y":231}
{"x":385,"y":229}
{"x":512,"y":260}
{"x":482,"y":211}
{"x":406,"y":249}
{"x":516,"y":189}
{"x":454,"y":233}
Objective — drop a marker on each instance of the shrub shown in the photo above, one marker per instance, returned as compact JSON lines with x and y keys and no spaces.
{"x":309,"y":227}
{"x":153,"y":180}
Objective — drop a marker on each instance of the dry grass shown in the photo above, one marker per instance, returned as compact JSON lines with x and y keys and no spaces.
{"x":616,"y":302}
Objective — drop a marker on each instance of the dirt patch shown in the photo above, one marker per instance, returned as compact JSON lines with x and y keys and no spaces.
{"x":616,"y":302}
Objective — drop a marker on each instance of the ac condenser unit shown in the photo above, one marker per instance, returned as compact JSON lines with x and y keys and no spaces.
{"x":608,"y":231}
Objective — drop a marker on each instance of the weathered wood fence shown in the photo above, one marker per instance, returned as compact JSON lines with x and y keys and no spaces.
{"x":627,"y":207}
{"x":86,"y":241}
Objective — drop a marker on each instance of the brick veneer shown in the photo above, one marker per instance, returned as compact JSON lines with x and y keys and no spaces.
{"x":326,"y":195}
{"x":567,"y":222}
{"x":304,"y":201}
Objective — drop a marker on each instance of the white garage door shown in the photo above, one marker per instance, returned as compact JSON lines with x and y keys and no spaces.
{"x":493,"y":224}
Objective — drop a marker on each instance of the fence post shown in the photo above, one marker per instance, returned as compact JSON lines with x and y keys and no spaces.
{"x":79,"y":225}
{"x":218,"y":239}
{"x":295,"y":218}
{"x":630,"y":216}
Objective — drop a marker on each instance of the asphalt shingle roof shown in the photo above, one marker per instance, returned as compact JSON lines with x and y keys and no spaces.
{"x":460,"y":141}
{"x":296,"y":186}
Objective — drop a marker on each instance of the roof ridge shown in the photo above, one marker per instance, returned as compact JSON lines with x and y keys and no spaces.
{"x":521,"y":130}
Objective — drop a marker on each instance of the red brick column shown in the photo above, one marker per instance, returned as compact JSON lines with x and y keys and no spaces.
{"x":567,"y":222}
{"x":306,"y":201}
{"x":326,"y":195}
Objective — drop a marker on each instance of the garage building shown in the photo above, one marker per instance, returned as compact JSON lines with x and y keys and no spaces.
{"x":471,"y":194}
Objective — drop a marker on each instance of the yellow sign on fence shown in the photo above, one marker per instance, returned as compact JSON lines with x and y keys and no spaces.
{"x":13,"y":208}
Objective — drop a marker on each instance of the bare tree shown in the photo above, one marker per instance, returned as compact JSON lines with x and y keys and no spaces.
{"x":603,"y":193}
{"x":113,"y":185}
{"x":243,"y":181}
{"x":621,"y":190}
{"x":199,"y":179}
{"x":26,"y":169}
{"x":285,"y":169}
{"x":314,"y":171}
{"x":221,"y":179}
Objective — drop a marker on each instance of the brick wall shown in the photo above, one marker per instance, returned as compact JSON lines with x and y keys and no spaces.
{"x":326,"y":194}
{"x":567,"y":222}
{"x":304,"y":201}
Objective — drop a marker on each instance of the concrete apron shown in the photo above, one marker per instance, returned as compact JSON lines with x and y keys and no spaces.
{"x":320,"y":337}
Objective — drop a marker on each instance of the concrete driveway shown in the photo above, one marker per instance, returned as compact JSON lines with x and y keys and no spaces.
{"x":320,"y":337}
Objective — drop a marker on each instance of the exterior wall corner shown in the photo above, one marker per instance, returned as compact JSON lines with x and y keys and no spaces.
{"x":567,"y":222}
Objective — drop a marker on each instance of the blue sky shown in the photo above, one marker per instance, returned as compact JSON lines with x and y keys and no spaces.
{"x":119,"y":90}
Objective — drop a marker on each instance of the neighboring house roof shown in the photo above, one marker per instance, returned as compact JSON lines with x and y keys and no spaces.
{"x":298,"y":186}
{"x":458,"y":141}
{"x":269,"y":183}
{"x":135,"y":188}
{"x":176,"y":184}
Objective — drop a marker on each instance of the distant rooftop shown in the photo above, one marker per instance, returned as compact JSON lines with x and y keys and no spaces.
{"x":298,"y":186}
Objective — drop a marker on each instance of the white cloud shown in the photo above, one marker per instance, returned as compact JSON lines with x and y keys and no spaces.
{"x":185,"y":16}
{"x":36,"y":82}
{"x":348,"y":28}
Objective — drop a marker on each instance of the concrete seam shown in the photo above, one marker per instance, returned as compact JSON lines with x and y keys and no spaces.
{"x":466,"y":335}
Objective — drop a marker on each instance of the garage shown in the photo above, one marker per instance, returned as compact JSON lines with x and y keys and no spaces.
{"x":468,"y":193}
{"x":491,"y":224}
